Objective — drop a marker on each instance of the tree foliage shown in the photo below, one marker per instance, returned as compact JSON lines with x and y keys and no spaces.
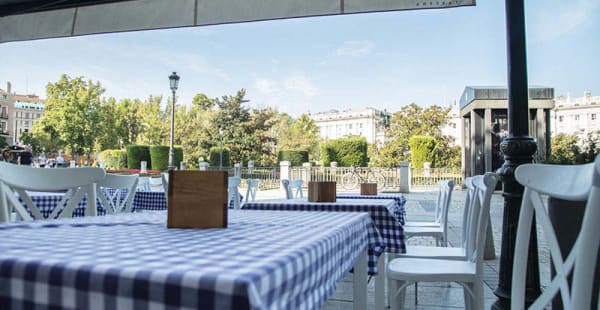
{"x":414,"y":120}
{"x":299,"y":134}
{"x":351,"y":151}
{"x":574,"y":149}
{"x":72,"y":114}
{"x":422,"y":150}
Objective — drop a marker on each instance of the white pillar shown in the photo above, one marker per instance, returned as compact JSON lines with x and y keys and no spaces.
{"x":306,"y":167}
{"x":284,"y":172}
{"x":203,"y":166}
{"x":405,"y":176}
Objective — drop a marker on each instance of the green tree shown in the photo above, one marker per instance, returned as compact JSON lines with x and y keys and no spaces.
{"x":299,"y":134}
{"x":72,"y":113}
{"x":154,"y":123}
{"x":414,"y":120}
{"x":192,"y":132}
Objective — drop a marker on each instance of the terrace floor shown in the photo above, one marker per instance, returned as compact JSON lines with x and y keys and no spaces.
{"x":431,"y":296}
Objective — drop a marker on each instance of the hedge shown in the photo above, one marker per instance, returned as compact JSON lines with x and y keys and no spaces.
{"x":422,"y":149}
{"x":347,"y":152}
{"x":215,"y":155}
{"x":137,"y":154}
{"x":159,"y":156}
{"x":114,"y":159}
{"x":295,"y":157}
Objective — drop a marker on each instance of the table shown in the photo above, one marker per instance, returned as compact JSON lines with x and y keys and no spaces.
{"x":383,"y":214}
{"x":263,"y":260}
{"x":399,"y":210}
{"x":142,"y":201}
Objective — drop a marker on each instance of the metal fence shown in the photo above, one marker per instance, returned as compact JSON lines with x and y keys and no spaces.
{"x":347,"y":178}
{"x":431,"y":176}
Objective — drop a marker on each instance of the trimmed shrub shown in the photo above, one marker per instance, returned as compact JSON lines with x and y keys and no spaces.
{"x":137,"y":154}
{"x":215,"y":154}
{"x":114,"y":159}
{"x":422,"y":149}
{"x":295,"y":157}
{"x":347,"y":152}
{"x":159,"y":156}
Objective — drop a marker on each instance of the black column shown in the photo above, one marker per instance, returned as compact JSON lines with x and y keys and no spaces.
{"x":517,"y":149}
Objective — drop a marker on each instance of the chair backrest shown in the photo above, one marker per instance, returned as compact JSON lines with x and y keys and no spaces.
{"x":588,"y":242}
{"x":442,"y":205}
{"x":483,"y":188}
{"x":116,"y":192}
{"x":286,"y":187}
{"x":571,"y":183}
{"x":17,"y":180}
{"x":165,"y":183}
{"x":252,"y":189}
{"x":469,"y":200}
{"x":144,"y":184}
{"x":294,"y":189}
{"x":233,"y":194}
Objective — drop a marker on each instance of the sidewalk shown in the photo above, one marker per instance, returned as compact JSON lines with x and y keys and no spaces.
{"x":420,"y":206}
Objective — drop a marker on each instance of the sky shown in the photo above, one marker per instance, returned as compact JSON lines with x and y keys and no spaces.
{"x":381,"y":60}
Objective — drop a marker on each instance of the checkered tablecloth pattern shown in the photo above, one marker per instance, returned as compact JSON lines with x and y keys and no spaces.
{"x":263,"y":260}
{"x":381,"y":211}
{"x":399,"y":210}
{"x":143,"y":200}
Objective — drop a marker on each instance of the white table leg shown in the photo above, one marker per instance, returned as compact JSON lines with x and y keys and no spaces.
{"x":360,"y":283}
{"x":380,"y":282}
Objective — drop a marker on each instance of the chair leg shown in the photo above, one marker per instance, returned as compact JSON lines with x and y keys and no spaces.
{"x":416,"y":293}
{"x":397,"y":296}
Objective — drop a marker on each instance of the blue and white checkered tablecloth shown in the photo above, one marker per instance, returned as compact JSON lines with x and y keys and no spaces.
{"x":143,"y":200}
{"x":399,"y":210}
{"x":263,"y":260}
{"x":381,"y":211}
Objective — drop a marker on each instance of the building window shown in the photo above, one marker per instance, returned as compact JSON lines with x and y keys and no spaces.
{"x":27,"y":115}
{"x":576,"y":117}
{"x":561,"y":118}
{"x":593,"y":116}
{"x":19,"y":114}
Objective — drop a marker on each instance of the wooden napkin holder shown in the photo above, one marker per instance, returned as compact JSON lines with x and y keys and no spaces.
{"x":321,"y":191}
{"x":368,"y":188}
{"x":197,"y":199}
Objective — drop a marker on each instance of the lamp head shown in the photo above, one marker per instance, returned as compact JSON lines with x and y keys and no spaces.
{"x":174,"y":81}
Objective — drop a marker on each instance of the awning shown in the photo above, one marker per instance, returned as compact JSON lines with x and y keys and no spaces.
{"x":35,"y":19}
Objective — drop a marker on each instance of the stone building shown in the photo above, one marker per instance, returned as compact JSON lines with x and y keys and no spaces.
{"x":367,"y":123}
{"x":484,"y":111}
{"x":18,"y":113}
{"x":576,"y":115}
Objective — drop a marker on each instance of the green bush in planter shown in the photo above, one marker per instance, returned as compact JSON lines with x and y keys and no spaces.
{"x":215,"y":154}
{"x":114,"y":159}
{"x":137,"y":154}
{"x":422,"y":149}
{"x":351,"y":151}
{"x":159,"y":156}
{"x":295,"y":157}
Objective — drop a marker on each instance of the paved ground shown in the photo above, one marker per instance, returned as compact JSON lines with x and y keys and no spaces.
{"x":420,"y":206}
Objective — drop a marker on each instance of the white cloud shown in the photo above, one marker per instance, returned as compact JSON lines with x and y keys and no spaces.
{"x":355,"y":48}
{"x":561,"y":17}
{"x":267,"y":87}
{"x":303,"y":84}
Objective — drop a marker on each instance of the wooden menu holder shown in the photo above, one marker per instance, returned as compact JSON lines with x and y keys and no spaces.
{"x":368,"y":188}
{"x":197,"y":199}
{"x":321,"y":191}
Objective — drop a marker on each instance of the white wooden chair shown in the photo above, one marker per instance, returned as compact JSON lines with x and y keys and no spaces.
{"x":293,"y":189}
{"x":144,"y":184}
{"x":439,"y":227}
{"x":573,"y":183}
{"x":165,"y":184}
{"x":233,"y":193}
{"x":402,"y":272}
{"x":111,"y":190}
{"x":252,"y":189}
{"x":18,"y":180}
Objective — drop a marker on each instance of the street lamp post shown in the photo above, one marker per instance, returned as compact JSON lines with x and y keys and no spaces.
{"x":174,"y":82}
{"x":220,"y":148}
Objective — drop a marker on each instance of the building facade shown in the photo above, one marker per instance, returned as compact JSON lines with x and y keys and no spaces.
{"x":18,"y":113}
{"x":454,"y":126}
{"x":484,"y":112}
{"x":576,"y":115}
{"x":368,"y":123}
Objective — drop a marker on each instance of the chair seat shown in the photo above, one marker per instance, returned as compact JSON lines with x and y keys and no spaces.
{"x":431,"y":270}
{"x":434,"y":252}
{"x":422,"y":231}
{"x":422,"y":224}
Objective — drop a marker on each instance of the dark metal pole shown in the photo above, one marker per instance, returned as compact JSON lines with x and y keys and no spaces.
{"x":220,"y":149}
{"x":518,"y":149}
{"x":171,"y":150}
